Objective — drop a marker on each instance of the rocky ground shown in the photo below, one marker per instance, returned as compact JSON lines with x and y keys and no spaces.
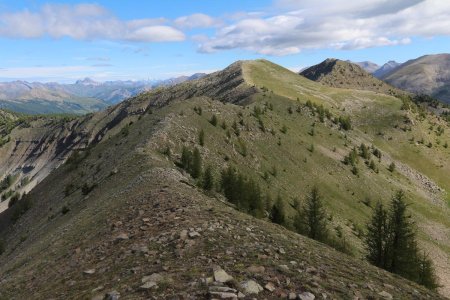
{"x":169,"y":241}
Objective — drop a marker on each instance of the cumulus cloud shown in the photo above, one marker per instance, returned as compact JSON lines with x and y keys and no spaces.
{"x":196,"y":21}
{"x":84,"y":22}
{"x":316,"y":24}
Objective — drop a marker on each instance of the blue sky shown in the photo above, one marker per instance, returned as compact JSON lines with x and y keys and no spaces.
{"x":107,"y":40}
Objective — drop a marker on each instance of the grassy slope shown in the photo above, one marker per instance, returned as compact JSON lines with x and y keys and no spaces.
{"x":47,"y":260}
{"x":298,"y":169}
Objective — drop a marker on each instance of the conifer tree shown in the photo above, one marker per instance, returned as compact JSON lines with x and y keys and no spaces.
{"x":427,"y":275}
{"x":208,"y":179}
{"x":277,"y":212}
{"x":312,"y":217}
{"x":186,"y":158}
{"x":201,"y":138}
{"x":376,"y":242}
{"x":196,"y":167}
{"x":402,"y":239}
{"x":391,"y":244}
{"x":213,"y":120}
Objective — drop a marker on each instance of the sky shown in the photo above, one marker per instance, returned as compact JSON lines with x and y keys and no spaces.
{"x":64,"y":41}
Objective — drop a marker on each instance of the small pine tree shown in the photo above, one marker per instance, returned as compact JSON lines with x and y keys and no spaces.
{"x":391,"y":167}
{"x":391,"y":244}
{"x":235,"y":127}
{"x":186,"y":158}
{"x":313,"y":217}
{"x":402,"y":240}
{"x":196,"y":166}
{"x":277,"y":212}
{"x":427,"y":275}
{"x":201,"y":138}
{"x":355,"y":171}
{"x":208,"y":179}
{"x":377,"y":231}
{"x":213,"y":120}
{"x":372,"y":165}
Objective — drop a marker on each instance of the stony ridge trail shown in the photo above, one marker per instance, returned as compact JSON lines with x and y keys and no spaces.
{"x":169,"y":243}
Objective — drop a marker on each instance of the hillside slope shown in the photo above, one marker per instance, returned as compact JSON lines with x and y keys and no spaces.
{"x":344,"y":74}
{"x":121,"y":209}
{"x":429,"y":74}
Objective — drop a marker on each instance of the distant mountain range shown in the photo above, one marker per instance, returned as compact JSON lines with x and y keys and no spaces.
{"x":83,"y":96}
{"x":429,"y":74}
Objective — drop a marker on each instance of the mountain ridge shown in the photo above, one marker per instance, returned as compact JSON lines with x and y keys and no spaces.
{"x":427,"y":74}
{"x":121,"y":209}
{"x":83,"y":96}
{"x":337,"y":73}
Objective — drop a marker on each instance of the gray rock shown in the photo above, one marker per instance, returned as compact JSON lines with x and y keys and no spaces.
{"x":183,"y":234}
{"x":251,"y":287}
{"x":256,"y":269}
{"x":89,"y":272}
{"x":149,"y":285}
{"x":155,"y":277}
{"x":224,"y":289}
{"x":121,"y":236}
{"x":194,"y":234}
{"x":386,"y":295}
{"x":221,"y":276}
{"x":306,"y":296}
{"x":283,"y":268}
{"x":223,"y":295}
{"x":113,"y":295}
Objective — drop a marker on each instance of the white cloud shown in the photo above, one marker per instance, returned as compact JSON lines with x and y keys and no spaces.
{"x":338,"y":24}
{"x":84,"y":22}
{"x":196,"y":21}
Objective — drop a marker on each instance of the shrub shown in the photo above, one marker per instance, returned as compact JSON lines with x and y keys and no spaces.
{"x":213,"y":120}
{"x":201,"y":138}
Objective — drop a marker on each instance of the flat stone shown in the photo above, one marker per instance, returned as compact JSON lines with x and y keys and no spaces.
{"x":224,"y":289}
{"x":221,"y":276}
{"x":183,"y":234}
{"x":89,"y":272}
{"x":292,"y":296}
{"x":194,"y":234}
{"x":122,"y":236}
{"x":306,"y":296}
{"x":155,"y":277}
{"x":251,"y":287}
{"x":283,"y":268}
{"x":386,"y":295}
{"x":256,"y":269}
{"x":149,"y":285}
{"x":270,"y":287}
{"x":222,"y":295}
